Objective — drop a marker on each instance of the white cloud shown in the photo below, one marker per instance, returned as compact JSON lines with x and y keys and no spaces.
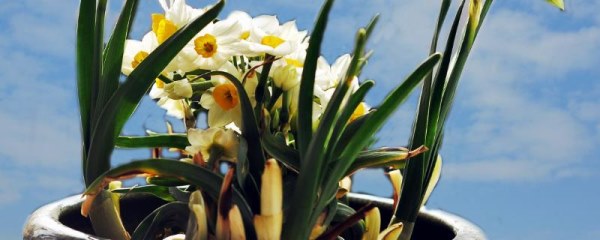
{"x":518,"y":117}
{"x":42,"y":27}
{"x":40,"y":120}
{"x":38,"y":102}
{"x":522,"y":123}
{"x":36,"y":186}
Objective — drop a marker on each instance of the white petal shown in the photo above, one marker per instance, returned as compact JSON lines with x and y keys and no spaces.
{"x":207,"y":101}
{"x":265,"y":22}
{"x":217,"y":117}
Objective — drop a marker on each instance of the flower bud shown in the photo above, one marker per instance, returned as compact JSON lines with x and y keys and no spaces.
{"x":236,"y":223}
{"x":270,"y":221}
{"x":196,"y":206}
{"x":286,"y":77}
{"x":271,"y":195}
{"x":179,"y":89}
{"x":435,"y":177}
{"x":396,"y":178}
{"x":392,"y":232}
{"x":372,"y":224}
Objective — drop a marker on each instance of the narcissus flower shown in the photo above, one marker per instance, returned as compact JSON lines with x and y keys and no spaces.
{"x":244,"y":21}
{"x":212,"y":46}
{"x":287,"y":71}
{"x":223,"y":100}
{"x":136,"y":51}
{"x":179,"y":13}
{"x":329,"y":76}
{"x":175,"y":107}
{"x":178,"y":90}
{"x":268,"y":37}
{"x":205,"y":142}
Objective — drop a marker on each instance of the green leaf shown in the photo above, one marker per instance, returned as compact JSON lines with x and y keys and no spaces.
{"x":277,"y":148}
{"x":179,"y":141}
{"x":174,"y":214}
{"x":334,"y":232}
{"x":560,"y":4}
{"x":307,"y":82}
{"x":434,"y":178}
{"x":165,"y":181}
{"x":301,"y":210}
{"x":207,"y":180}
{"x":158,"y":191}
{"x":371,"y":25}
{"x":124,"y":101}
{"x":375,"y":121}
{"x":97,"y":58}
{"x":383,"y":157}
{"x":323,"y":141}
{"x":353,"y":102}
{"x":250,"y":132}
{"x":241,"y":169}
{"x":113,"y":54}
{"x":85,"y":56}
{"x":425,"y":129}
{"x":261,"y":93}
{"x":350,"y":132}
{"x":343,"y":211}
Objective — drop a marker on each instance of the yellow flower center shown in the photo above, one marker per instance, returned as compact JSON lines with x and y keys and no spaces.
{"x":271,"y":41}
{"x":159,"y":83}
{"x":245,"y":35}
{"x":138,"y":58}
{"x":360,"y":110}
{"x":294,"y":62}
{"x":206,"y":45}
{"x":162,"y":27}
{"x":226,"y":96}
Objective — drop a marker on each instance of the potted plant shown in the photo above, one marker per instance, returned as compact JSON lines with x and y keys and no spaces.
{"x":284,"y":130}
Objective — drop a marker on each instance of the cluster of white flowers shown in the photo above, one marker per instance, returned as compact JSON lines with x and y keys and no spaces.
{"x":235,"y":45}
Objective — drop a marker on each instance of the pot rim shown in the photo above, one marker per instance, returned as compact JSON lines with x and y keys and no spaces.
{"x":44,"y":223}
{"x":464,"y":229}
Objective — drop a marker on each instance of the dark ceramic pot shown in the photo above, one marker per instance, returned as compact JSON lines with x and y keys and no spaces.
{"x":61,"y":219}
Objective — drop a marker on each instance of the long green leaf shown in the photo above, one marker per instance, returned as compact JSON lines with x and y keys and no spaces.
{"x":113,"y":53}
{"x":281,"y":152}
{"x":375,"y":122}
{"x":207,"y":180}
{"x":85,"y":55}
{"x":300,"y":211}
{"x":307,"y":82}
{"x":395,"y":157}
{"x":424,"y":130}
{"x":560,"y":4}
{"x":179,"y":141}
{"x":124,"y":101}
{"x":165,"y":181}
{"x":250,"y":132}
{"x":353,"y":102}
{"x":97,"y":58}
{"x":158,"y":191}
{"x":448,"y":97}
{"x":350,"y":132}
{"x":175,"y":213}
{"x":323,"y":140}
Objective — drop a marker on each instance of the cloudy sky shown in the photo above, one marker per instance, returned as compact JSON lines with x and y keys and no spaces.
{"x":521,"y":155}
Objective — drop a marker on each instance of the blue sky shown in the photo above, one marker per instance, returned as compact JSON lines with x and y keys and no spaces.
{"x":521,"y":155}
